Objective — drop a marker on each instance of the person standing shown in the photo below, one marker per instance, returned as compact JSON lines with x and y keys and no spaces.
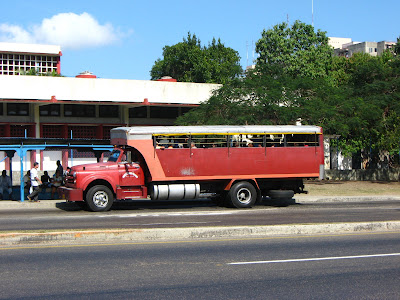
{"x":5,"y":185}
{"x":60,"y":168}
{"x":35,"y":182}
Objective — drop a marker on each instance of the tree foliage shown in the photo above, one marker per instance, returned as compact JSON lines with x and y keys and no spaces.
{"x":297,"y":50}
{"x":356,"y":98}
{"x":364,"y":112}
{"x":189,"y":61}
{"x":34,"y":72}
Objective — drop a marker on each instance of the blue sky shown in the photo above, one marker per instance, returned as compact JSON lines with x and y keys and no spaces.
{"x":122,"y":39}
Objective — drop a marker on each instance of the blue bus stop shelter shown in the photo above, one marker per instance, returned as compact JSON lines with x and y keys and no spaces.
{"x":22,"y":145}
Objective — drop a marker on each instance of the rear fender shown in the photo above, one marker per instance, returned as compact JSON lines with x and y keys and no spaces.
{"x":253,"y":181}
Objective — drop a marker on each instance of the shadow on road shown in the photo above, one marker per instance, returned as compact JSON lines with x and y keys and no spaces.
{"x":135,"y":205}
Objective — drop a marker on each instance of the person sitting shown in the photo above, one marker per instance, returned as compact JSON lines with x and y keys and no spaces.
{"x":45,"y":181}
{"x":56,"y":181}
{"x":5,"y":185}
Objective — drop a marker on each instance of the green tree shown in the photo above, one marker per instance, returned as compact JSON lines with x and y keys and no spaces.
{"x":296,"y":50}
{"x":223,"y":63}
{"x":357,"y":98}
{"x":255,"y":99}
{"x":396,"y":49}
{"x":188,"y":61}
{"x":376,"y":80}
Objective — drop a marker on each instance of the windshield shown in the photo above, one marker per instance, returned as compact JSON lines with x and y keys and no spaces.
{"x":114,"y":156}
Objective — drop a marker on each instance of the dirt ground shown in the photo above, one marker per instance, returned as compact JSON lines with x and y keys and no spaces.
{"x":352,"y":188}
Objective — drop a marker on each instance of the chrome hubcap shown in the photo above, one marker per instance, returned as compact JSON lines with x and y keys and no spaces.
{"x":244,"y":196}
{"x":100,"y":199}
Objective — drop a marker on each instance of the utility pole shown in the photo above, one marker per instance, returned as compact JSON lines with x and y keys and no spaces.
{"x":312,"y":13}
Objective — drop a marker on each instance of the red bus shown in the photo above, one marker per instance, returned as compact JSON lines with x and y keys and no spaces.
{"x":237,"y":164}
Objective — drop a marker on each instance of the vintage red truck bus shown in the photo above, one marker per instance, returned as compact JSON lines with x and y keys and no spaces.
{"x":236,"y":164}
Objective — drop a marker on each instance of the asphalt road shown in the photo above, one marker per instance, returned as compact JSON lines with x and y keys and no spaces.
{"x":194,"y":214}
{"x":357,"y":266}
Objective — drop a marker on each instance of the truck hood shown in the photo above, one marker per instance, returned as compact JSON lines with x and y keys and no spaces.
{"x":94,"y":166}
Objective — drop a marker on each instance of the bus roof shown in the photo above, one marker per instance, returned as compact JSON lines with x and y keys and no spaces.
{"x":130,"y":132}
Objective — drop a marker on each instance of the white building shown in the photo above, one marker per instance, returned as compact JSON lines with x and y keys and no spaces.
{"x":81,"y":107}
{"x":16,"y":59}
{"x":346,"y":47}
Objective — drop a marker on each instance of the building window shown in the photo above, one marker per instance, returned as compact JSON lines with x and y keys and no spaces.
{"x":138,"y":112}
{"x":52,"y":110}
{"x":78,"y":110}
{"x":1,"y":109}
{"x":162,"y":112}
{"x":52,"y":131}
{"x":16,"y":64}
{"x":106,"y":132}
{"x":2,"y":130}
{"x":17,"y":109}
{"x":108,"y":111}
{"x":21,"y":131}
{"x":82,"y":132}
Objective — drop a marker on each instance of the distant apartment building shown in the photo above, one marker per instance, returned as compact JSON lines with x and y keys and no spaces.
{"x":346,"y":47}
{"x":17,"y":59}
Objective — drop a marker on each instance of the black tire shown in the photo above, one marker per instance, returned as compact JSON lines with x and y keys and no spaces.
{"x":99,"y":198}
{"x":281,"y":198}
{"x":281,"y":194}
{"x":242,"y":195}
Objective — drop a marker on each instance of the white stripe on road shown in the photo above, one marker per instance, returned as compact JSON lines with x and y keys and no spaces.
{"x":179,"y":223}
{"x":165,"y":214}
{"x":311,"y":259}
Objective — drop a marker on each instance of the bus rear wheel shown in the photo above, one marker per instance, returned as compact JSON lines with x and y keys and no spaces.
{"x":242,"y":195}
{"x":99,"y":198}
{"x":281,"y":198}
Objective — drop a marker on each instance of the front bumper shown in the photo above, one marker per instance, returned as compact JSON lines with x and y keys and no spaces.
{"x":70,"y":194}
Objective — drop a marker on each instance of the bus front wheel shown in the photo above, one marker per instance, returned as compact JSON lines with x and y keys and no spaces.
{"x":99,"y":198}
{"x":242,"y":195}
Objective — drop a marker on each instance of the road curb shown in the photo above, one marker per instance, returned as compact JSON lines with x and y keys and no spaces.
{"x":164,"y":234}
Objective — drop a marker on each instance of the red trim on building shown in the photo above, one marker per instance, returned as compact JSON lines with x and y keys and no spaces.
{"x":59,"y":63}
{"x":131,"y":104}
{"x":64,"y":159}
{"x":41,"y":160}
{"x":7,"y":129}
{"x":7,"y":164}
{"x":167,"y":79}
{"x":33,"y":159}
{"x":86,"y":74}
{"x":99,"y":131}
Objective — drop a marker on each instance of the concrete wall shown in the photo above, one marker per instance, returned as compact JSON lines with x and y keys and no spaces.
{"x":364,"y":175}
